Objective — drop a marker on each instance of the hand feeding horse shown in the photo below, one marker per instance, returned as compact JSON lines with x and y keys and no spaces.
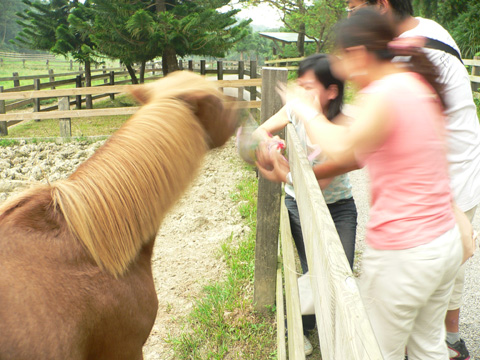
{"x":75,"y":255}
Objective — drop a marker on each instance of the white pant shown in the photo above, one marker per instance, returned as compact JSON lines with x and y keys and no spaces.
{"x":406,"y":293}
{"x":456,"y":298}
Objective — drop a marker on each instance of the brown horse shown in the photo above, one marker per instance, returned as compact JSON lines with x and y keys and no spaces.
{"x":75,"y":270}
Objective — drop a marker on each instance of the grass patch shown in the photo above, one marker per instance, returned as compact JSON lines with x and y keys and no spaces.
{"x":223,"y":324}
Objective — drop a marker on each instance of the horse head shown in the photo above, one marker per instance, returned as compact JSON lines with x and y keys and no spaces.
{"x":217,"y":116}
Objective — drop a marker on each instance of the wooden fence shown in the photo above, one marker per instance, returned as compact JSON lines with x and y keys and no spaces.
{"x":65,"y":114}
{"x":24,"y":95}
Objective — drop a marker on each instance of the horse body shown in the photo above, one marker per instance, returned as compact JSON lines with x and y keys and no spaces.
{"x":76,"y":279}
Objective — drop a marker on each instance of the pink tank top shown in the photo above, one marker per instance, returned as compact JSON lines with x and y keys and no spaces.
{"x":410,"y":192}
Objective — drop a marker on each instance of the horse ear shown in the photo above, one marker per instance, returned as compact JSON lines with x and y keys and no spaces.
{"x":141,"y":93}
{"x":218,"y":118}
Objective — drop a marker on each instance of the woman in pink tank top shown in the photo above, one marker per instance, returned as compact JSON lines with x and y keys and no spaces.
{"x":413,"y":244}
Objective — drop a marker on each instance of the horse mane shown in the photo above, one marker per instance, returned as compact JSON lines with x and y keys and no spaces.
{"x":114,"y":203}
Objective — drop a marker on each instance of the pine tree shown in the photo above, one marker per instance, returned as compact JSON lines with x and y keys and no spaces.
{"x":143,"y":30}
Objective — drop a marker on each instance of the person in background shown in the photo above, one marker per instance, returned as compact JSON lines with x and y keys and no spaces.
{"x":463,"y":130}
{"x":413,"y":248}
{"x":315,"y":76}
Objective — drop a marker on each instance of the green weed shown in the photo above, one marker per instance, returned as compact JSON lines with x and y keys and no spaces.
{"x":223,"y":324}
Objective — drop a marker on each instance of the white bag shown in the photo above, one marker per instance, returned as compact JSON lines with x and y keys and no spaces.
{"x":307,"y":307}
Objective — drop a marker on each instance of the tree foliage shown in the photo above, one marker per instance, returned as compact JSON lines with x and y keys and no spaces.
{"x":311,"y":19}
{"x":144,"y":30}
{"x":459,"y":17}
{"x":61,"y":27}
{"x":132,"y":31}
{"x":251,"y":47}
{"x":8,"y":26}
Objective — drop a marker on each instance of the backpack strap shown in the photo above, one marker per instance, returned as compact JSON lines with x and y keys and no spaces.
{"x":440,"y":45}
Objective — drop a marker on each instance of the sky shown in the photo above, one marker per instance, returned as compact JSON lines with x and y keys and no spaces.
{"x":262,"y":15}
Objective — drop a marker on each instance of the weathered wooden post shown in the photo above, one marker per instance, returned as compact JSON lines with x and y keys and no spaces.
{"x":180,"y":64}
{"x":112,"y":82}
{"x":23,"y":61}
{"x":36,"y":101}
{"x":253,"y":89}
{"x":202,"y":67}
{"x":65,"y":123}
{"x":220,"y":70}
{"x":268,"y":204}
{"x":78,"y":98}
{"x":241,"y":72}
{"x":476,"y":72}
{"x":71,"y":64}
{"x":16,"y":80}
{"x":190,"y":65}
{"x":3,"y":124}
{"x":104,"y":72}
{"x":51,"y":77}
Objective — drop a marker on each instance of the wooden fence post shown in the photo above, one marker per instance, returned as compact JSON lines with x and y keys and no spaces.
{"x":112,"y":82}
{"x":78,"y":98}
{"x":3,"y":124}
{"x":65,"y":123}
{"x":51,"y":77}
{"x":241,"y":72}
{"x":153,"y":68}
{"x":46,"y":63}
{"x":104,"y":71}
{"x":23,"y":61}
{"x":220,"y":70}
{"x":16,"y":81}
{"x":253,"y":89}
{"x":36,"y":101}
{"x":71,"y":64}
{"x":180,"y":64}
{"x":202,"y":67}
{"x":190,"y":65}
{"x":476,"y":72}
{"x":268,"y":204}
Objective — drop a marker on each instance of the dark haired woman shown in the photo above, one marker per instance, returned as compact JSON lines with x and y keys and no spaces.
{"x":315,"y":77}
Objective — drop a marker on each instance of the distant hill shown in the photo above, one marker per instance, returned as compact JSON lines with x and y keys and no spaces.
{"x":258,"y":28}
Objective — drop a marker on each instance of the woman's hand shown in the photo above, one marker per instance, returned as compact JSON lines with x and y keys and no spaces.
{"x":264,"y":150}
{"x":272,"y":164}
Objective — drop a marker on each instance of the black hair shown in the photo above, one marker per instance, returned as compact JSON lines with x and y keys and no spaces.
{"x":320,"y":64}
{"x":369,"y":28}
{"x":401,"y":8}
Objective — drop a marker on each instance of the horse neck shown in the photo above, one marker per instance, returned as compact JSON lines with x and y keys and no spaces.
{"x":115,"y":202}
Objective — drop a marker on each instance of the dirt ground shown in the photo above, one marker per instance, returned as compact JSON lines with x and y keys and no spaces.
{"x":186,"y":255}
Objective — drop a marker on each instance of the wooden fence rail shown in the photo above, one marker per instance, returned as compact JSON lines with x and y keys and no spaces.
{"x":7,"y":120}
{"x":474,"y":63}
{"x":343,"y":327}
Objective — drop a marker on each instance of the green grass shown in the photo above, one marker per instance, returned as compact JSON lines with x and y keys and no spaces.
{"x":223,"y":324}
